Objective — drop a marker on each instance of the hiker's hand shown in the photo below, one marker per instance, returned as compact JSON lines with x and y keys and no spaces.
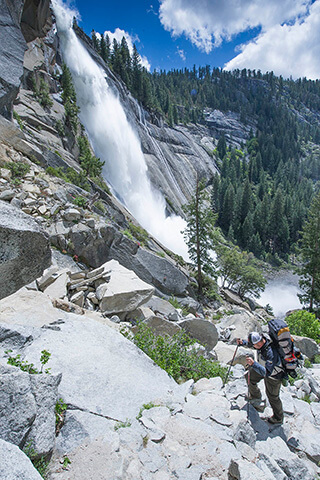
{"x":239,"y":341}
{"x":249,"y":361}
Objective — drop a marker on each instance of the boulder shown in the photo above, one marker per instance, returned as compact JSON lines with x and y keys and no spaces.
{"x":113,"y":379}
{"x":124,"y":292}
{"x":160,"y":326}
{"x":160,"y":272}
{"x":240,"y":325}
{"x":18,"y":405}
{"x":276,"y":449}
{"x":307,"y":346}
{"x":244,"y":470}
{"x":42,"y":434}
{"x":202,"y":330}
{"x":233,"y":298}
{"x":161,"y":306}
{"x":24,"y":249}
{"x":225,"y":353}
{"x":15,"y":465}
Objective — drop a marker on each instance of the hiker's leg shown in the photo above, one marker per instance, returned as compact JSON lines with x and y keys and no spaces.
{"x":273,"y":394}
{"x":253,"y":378}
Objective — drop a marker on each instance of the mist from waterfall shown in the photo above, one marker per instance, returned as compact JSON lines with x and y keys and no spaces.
{"x":114,"y":140}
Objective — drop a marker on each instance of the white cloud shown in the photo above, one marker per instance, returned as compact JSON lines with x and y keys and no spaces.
{"x":181,"y":54}
{"x":285,"y":49}
{"x":207,"y":22}
{"x":118,"y":34}
{"x":288,"y":42}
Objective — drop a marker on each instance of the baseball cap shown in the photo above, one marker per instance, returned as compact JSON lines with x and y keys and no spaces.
{"x":255,"y":337}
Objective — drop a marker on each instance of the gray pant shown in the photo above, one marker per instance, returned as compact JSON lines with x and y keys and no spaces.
{"x":272,"y":391}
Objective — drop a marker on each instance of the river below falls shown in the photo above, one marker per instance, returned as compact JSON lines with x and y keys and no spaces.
{"x":281,"y":293}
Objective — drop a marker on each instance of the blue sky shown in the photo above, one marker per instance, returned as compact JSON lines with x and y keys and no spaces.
{"x":283,"y":36}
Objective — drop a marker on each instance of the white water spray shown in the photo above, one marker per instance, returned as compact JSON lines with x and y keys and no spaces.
{"x":114,"y":140}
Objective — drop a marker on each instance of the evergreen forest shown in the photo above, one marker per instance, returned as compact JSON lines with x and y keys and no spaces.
{"x":266,"y":184}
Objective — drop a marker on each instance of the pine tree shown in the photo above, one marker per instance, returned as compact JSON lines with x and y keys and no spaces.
{"x":199,"y":233}
{"x":310,"y":254}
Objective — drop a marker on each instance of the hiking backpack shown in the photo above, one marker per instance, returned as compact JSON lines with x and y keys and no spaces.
{"x":290,"y":355}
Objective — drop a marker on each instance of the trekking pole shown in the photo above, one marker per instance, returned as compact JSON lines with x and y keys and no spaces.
{"x":225,"y":380}
{"x":248,"y":403}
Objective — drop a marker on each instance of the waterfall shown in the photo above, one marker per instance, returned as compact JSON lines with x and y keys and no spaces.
{"x":113,"y":139}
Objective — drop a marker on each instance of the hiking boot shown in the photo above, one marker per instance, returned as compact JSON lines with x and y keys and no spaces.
{"x":274,"y":421}
{"x":258,"y":404}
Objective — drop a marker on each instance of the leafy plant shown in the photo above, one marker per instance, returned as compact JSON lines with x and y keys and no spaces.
{"x":40,"y":464}
{"x":305,"y":324}
{"x":306,"y":398}
{"x":100,"y":206}
{"x":80,"y":201}
{"x":125,"y":424}
{"x":66,"y":462}
{"x":60,"y":410}
{"x":145,"y":406}
{"x":18,"y":169}
{"x":307,"y":363}
{"x":174,"y":355}
{"x":145,"y":440}
{"x":91,"y":164}
{"x":60,"y":128}
{"x":17,"y":117}
{"x":71,"y":176}
{"x":101,"y":184}
{"x":128,"y":234}
{"x":25,"y":366}
{"x":138,"y":233}
{"x":42,"y":92}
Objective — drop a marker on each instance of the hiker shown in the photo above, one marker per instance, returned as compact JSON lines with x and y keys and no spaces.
{"x":272,"y":373}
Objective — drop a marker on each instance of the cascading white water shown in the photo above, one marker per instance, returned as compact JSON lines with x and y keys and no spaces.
{"x":114,"y":140}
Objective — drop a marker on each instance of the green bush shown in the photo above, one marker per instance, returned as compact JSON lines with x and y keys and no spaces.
{"x":71,"y":176}
{"x":305,"y":324}
{"x":17,"y":117}
{"x":18,"y":169}
{"x":176,"y":355}
{"x":91,"y":164}
{"x":40,"y":463}
{"x":25,"y":366}
{"x":100,"y":206}
{"x":80,"y":201}
{"x":139,"y":233}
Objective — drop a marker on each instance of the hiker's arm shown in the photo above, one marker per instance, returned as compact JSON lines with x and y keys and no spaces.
{"x":241,"y":341}
{"x":256,"y":366}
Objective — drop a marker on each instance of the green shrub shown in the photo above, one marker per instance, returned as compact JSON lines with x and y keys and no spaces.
{"x":128,"y":234}
{"x":17,"y":117}
{"x":100,"y":206}
{"x":60,"y":128}
{"x":60,"y":410}
{"x":80,"y":201}
{"x":125,"y":424}
{"x":139,"y":233}
{"x":71,"y":176}
{"x":42,"y":93}
{"x":25,"y":366}
{"x":145,"y":406}
{"x":40,"y":464}
{"x":18,"y":169}
{"x":176,"y":355}
{"x":305,"y":324}
{"x":316,"y":359}
{"x":91,"y":164}
{"x":101,"y":184}
{"x":307,"y":363}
